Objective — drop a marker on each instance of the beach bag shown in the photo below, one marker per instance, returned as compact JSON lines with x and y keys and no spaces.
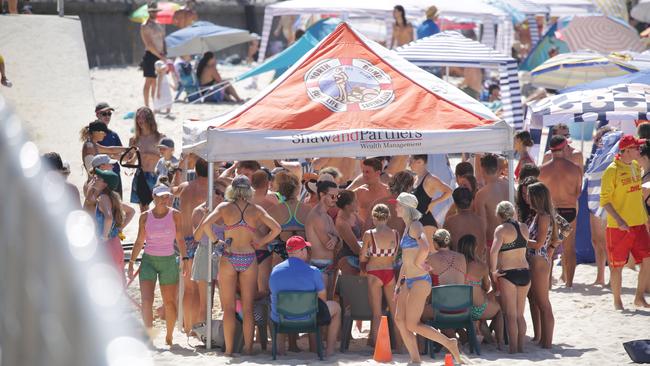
{"x":563,"y":227}
{"x":639,"y":350}
{"x":218,"y":339}
{"x":142,"y":188}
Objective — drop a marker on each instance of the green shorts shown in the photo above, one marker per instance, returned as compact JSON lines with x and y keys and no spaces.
{"x":165,"y":268}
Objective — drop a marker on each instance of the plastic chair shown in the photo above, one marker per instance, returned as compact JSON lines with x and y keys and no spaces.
{"x":353,"y":296}
{"x":452,"y":309}
{"x":297,"y":313}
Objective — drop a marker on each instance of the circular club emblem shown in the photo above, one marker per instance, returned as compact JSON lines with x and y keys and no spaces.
{"x":349,"y":84}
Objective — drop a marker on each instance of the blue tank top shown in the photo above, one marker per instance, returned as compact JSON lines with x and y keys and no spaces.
{"x":99,"y":218}
{"x":407,"y":241}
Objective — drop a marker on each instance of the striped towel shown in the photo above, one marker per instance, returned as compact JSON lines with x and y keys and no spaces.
{"x":601,"y":159}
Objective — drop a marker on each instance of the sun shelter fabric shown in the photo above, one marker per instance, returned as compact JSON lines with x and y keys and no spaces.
{"x":641,"y":11}
{"x":350,"y":96}
{"x":451,"y":48}
{"x":569,"y":69}
{"x":601,"y":34}
{"x":641,"y":77}
{"x":540,"y":52}
{"x":613,"y":8}
{"x":594,"y":172}
{"x":293,"y":53}
{"x":201,"y":37}
{"x":473,"y":10}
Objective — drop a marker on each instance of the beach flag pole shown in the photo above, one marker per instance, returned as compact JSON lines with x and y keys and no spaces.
{"x":208,"y":310}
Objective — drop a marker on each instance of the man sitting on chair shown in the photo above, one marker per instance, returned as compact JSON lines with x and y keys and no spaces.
{"x":295,"y":274}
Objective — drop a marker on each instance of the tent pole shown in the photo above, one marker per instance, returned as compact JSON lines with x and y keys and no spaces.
{"x":208,"y":307}
{"x":511,"y":176}
{"x":447,"y":73}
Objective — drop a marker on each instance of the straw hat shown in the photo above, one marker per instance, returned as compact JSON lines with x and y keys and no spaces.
{"x":432,"y":12}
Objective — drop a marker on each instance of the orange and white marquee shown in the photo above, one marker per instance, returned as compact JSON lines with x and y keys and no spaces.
{"x":350,"y":96}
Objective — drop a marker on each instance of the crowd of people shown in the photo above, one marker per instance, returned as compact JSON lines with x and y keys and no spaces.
{"x":297,"y":225}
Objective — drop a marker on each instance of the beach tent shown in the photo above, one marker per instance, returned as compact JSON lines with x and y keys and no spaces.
{"x":641,"y":77}
{"x":473,"y":10}
{"x":293,"y":53}
{"x":349,"y":96}
{"x":453,"y":49}
{"x":531,"y":11}
{"x":201,"y":37}
{"x":539,"y":54}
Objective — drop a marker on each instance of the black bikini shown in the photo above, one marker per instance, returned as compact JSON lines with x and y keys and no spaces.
{"x":424,"y":200}
{"x":518,"y":276}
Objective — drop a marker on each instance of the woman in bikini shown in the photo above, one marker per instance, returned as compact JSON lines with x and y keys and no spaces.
{"x":159,"y":227}
{"x":349,"y":226}
{"x":415,"y":283}
{"x":523,"y":141}
{"x":111,"y":216}
{"x":485,"y":306}
{"x":146,"y":139}
{"x":402,"y":30}
{"x":377,"y":258}
{"x":238,"y":264}
{"x":541,"y":244}
{"x":509,"y":272}
{"x":210,"y":80}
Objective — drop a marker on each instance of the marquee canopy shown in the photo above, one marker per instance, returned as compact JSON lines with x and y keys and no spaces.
{"x":349,"y":96}
{"x":453,"y":49}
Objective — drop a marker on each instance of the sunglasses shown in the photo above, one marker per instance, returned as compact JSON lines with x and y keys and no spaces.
{"x":106,"y":114}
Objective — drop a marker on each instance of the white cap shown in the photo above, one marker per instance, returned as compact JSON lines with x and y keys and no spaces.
{"x":101,"y":159}
{"x":161,"y":190}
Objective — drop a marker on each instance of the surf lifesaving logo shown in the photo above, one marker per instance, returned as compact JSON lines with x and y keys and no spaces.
{"x":349,"y":84}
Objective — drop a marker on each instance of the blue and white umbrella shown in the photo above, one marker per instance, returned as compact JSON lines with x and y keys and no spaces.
{"x":202,"y":37}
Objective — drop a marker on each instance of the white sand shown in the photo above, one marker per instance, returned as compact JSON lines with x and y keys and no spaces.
{"x":588,"y":331}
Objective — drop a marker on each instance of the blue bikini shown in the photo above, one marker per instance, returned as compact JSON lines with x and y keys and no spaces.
{"x":409,"y":242}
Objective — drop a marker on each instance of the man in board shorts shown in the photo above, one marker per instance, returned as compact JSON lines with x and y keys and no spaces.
{"x":621,"y":196}
{"x":153,"y":37}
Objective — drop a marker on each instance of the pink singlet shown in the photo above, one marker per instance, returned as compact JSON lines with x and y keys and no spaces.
{"x":160,"y":234}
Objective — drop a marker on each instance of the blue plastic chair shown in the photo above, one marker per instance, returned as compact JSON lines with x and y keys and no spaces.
{"x":297,"y":313}
{"x":452,"y":309}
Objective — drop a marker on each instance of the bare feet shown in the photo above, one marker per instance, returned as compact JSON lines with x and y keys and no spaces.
{"x":453,"y":349}
{"x":618,"y":305}
{"x":6,"y":82}
{"x":169,"y":340}
{"x":641,"y":303}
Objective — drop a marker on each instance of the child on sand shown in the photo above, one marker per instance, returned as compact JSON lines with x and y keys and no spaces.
{"x":162,"y":101}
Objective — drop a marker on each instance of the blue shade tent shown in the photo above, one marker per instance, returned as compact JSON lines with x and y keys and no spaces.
{"x":539,"y":54}
{"x":202,"y":36}
{"x":283,"y":60}
{"x":641,"y":77}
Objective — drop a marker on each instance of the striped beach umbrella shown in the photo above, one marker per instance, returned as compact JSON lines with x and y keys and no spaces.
{"x":601,"y":34}
{"x":569,"y":69}
{"x":164,"y":16}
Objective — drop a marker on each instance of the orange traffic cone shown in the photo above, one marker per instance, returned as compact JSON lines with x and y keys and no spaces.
{"x":383,"y":352}
{"x":449,"y":360}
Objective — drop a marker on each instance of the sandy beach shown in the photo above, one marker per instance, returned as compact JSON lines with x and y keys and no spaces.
{"x":587,"y":329}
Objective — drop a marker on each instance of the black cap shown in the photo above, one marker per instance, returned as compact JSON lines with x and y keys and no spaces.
{"x":103,"y":106}
{"x":166,"y":142}
{"x":97,"y":126}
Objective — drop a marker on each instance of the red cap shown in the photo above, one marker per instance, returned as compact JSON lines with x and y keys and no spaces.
{"x":628,"y":141}
{"x":295,"y":243}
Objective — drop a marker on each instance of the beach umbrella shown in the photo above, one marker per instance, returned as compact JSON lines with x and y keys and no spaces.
{"x":613,"y":8}
{"x":164,"y":16}
{"x":641,"y":11}
{"x":620,"y":102}
{"x":202,"y":37}
{"x":569,"y":69}
{"x":641,"y":77}
{"x":601,"y":34}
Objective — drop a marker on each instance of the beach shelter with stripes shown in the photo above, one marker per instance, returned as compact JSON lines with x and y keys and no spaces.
{"x":350,"y":96}
{"x":452,"y":49}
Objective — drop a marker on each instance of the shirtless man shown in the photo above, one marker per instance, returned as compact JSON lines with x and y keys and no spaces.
{"x":489,"y":196}
{"x":321,"y":233}
{"x":575,"y":155}
{"x":266,"y":200}
{"x":466,"y":221}
{"x":373,"y":189}
{"x":564,"y":180}
{"x":426,"y":187}
{"x":153,"y":38}
{"x":244,"y":167}
{"x":192,"y":194}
